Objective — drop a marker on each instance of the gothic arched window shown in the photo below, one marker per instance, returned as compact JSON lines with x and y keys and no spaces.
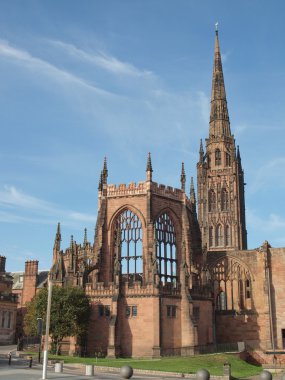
{"x":218,"y":157}
{"x":228,"y":236}
{"x":224,"y":200}
{"x":232,"y":285}
{"x":166,"y":249}
{"x":219,"y":236}
{"x":212,"y":200}
{"x":128,"y":230}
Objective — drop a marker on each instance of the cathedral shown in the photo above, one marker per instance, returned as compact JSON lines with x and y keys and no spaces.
{"x":169,"y":273}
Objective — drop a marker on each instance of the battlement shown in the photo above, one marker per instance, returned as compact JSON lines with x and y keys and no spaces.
{"x":100,"y":290}
{"x":142,"y":187}
{"x":167,"y":191}
{"x":123,"y":189}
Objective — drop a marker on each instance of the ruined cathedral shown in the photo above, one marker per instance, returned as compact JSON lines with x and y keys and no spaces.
{"x":169,"y":273}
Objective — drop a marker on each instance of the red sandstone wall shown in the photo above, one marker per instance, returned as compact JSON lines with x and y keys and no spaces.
{"x":205,"y":324}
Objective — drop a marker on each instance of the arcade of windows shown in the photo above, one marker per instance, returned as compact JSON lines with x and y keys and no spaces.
{"x":218,"y":158}
{"x":220,"y":236}
{"x":128,"y":237}
{"x":225,"y":201}
{"x":232,"y":286}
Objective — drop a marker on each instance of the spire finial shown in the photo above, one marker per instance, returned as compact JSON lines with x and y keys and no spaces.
{"x":183,"y":177}
{"x":216,"y":27}
{"x":149,"y":167}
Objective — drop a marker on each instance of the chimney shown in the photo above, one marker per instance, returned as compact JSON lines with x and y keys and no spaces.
{"x":31,"y":268}
{"x":2,"y":264}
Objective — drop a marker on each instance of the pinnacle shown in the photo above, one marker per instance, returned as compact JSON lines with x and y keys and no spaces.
{"x":149,"y":165}
{"x":183,"y":177}
{"x":105,"y":171}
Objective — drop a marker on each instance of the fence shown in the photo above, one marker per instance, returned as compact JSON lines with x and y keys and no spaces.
{"x":29,"y":343}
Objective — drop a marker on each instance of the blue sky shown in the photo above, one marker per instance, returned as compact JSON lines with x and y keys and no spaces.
{"x":84,"y":80}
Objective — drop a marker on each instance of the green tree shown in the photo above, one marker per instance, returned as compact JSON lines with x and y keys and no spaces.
{"x":70,"y":311}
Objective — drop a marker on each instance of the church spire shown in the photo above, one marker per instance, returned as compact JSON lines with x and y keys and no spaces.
{"x":219,"y":118}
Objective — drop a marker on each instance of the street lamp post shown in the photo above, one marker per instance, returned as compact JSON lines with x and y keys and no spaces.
{"x":40,"y":333}
{"x":47,"y":330}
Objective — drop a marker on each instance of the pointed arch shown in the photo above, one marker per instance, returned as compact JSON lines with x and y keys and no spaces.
{"x":127,"y":207}
{"x":166,"y":255}
{"x":212,"y":200}
{"x":228,"y":237}
{"x":218,"y":157}
{"x":219,"y":236}
{"x":224,"y":200}
{"x":232,"y":283}
{"x":127,"y":240}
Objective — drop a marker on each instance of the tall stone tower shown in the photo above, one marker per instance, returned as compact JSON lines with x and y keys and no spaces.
{"x":220,"y":177}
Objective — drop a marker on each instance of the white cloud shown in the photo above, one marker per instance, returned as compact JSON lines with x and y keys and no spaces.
{"x":102,"y":60}
{"x":18,"y":207}
{"x":59,"y":75}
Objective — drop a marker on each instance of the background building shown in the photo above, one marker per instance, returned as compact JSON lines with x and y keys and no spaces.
{"x":8,"y":306}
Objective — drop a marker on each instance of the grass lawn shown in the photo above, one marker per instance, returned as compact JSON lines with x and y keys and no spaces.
{"x":213,"y":363}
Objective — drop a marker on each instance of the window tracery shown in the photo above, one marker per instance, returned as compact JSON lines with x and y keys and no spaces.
{"x":224,"y":200}
{"x":232,"y":285}
{"x":166,"y":249}
{"x":219,"y":236}
{"x":212,"y":200}
{"x":218,"y":157}
{"x":228,"y":236}
{"x":128,"y":239}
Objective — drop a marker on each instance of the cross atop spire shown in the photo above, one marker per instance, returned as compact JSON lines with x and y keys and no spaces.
{"x":219,"y":118}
